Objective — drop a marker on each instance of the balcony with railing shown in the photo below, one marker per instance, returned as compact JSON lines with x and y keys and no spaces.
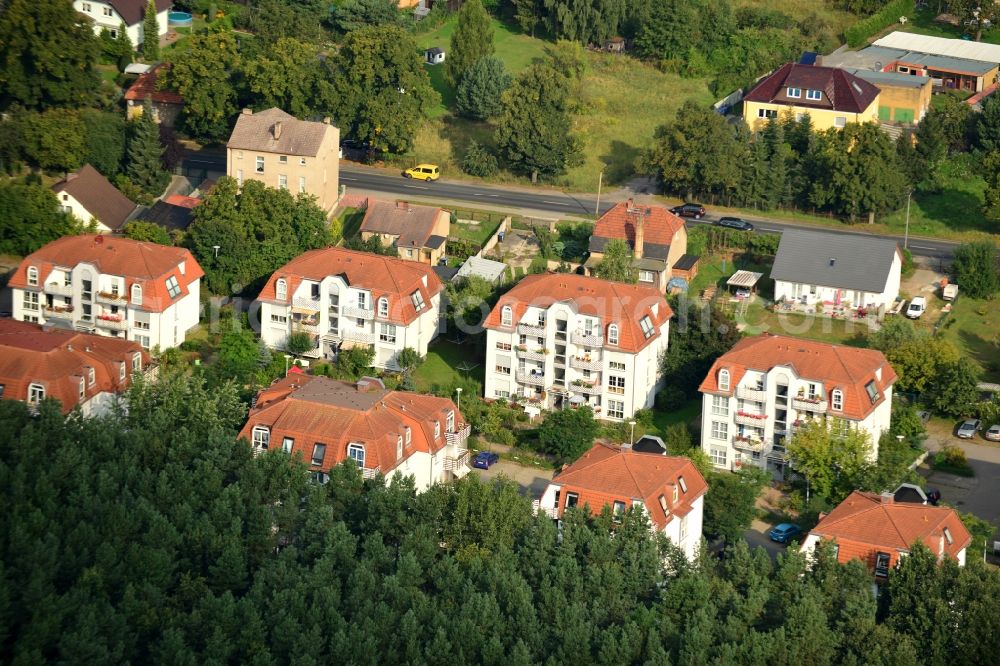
{"x":59,"y":311}
{"x":59,"y":289}
{"x":115,"y":322}
{"x":587,"y":339}
{"x":358,"y":312}
{"x":307,"y":303}
{"x":809,"y":404}
{"x":586,"y":363}
{"x":531,"y":329}
{"x":583,"y":386}
{"x":111,"y":298}
{"x":305,"y":321}
{"x":532,"y":378}
{"x":748,"y":443}
{"x":531,"y":353}
{"x":751,"y":393}
{"x":549,"y":511}
{"x":459,"y":436}
{"x":457,"y":461}
{"x":745,"y":417}
{"x":355,"y":335}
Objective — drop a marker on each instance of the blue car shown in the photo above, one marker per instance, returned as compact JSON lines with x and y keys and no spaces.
{"x":484,"y":459}
{"x":784,"y":532}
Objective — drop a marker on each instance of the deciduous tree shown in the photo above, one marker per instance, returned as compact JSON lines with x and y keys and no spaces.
{"x":104,"y":140}
{"x":568,"y":433}
{"x":976,"y":268}
{"x":55,"y":139}
{"x":533,"y":127}
{"x":730,"y":505}
{"x":353,"y":14}
{"x":833,"y":456}
{"x":147,"y":231}
{"x":203,"y":75}
{"x":30,"y":217}
{"x":616,"y":265}
{"x":288,"y":76}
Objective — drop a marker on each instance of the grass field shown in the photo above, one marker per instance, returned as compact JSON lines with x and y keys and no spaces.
{"x":818,"y":12}
{"x":477,"y":233}
{"x":442,"y":363}
{"x":621,"y":101}
{"x":350,"y":220}
{"x":974,"y":327}
{"x":923,"y":23}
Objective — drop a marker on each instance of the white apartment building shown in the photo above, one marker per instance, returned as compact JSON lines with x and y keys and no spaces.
{"x":760,"y":391}
{"x":110,"y":14}
{"x":560,"y":340}
{"x":113,"y":286}
{"x":668,"y":489}
{"x":342,"y":298}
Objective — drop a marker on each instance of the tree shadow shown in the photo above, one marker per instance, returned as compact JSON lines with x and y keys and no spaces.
{"x":460,"y":132}
{"x":984,"y":351}
{"x":956,"y":209}
{"x":436,"y":74}
{"x":620,"y":162}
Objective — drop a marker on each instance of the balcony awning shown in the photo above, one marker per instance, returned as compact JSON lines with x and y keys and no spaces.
{"x":298,"y":309}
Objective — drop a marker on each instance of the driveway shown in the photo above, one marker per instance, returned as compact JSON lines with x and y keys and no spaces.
{"x":978,"y":494}
{"x":531,"y":480}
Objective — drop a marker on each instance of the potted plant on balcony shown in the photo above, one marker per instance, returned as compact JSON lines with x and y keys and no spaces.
{"x":522,"y":348}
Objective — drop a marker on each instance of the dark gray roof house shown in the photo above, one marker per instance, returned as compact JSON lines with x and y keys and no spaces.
{"x":842,"y":261}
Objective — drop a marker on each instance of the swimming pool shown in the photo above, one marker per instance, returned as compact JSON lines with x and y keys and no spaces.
{"x":179,"y":19}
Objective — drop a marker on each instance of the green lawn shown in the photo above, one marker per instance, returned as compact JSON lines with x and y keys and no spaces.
{"x":442,"y":362}
{"x":477,"y":233}
{"x":619,"y":104}
{"x":663,"y":420}
{"x":974,"y":327}
{"x":818,"y":13}
{"x":350,"y":220}
{"x":923,"y":23}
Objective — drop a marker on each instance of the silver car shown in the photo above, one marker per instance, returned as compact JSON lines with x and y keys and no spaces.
{"x":969,"y":428}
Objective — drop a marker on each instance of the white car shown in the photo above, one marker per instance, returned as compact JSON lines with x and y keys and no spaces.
{"x":916,"y":307}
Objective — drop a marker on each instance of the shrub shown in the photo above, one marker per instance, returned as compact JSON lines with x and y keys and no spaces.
{"x":479,"y":161}
{"x":299,"y":343}
{"x":670,"y":397}
{"x":952,"y":459}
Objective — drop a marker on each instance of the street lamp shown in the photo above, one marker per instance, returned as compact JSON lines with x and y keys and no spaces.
{"x":216,"y":248}
{"x":597,"y":206}
{"x":906,"y":233}
{"x":459,"y":403}
{"x":287,"y":358}
{"x":631,"y":437}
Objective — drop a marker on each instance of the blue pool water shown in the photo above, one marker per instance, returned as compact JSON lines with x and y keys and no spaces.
{"x":181,"y":19}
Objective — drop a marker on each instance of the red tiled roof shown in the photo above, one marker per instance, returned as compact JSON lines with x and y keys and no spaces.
{"x":606,"y":474}
{"x":58,"y":359}
{"x":659,"y":224}
{"x":410,"y":223}
{"x":864,"y":518}
{"x":102,"y":200}
{"x":391,"y":277}
{"x":612,"y":302}
{"x":835,"y":366}
{"x":314,"y":410}
{"x":842,"y":91}
{"x":183,"y":201}
{"x":145,"y":86}
{"x":146,"y":264}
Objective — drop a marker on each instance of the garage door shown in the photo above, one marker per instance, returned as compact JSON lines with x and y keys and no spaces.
{"x":885,"y":113}
{"x":904,"y":115}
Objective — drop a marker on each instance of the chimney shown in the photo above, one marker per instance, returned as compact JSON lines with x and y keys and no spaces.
{"x":247,"y":112}
{"x":327,"y":120}
{"x":277,"y":130}
{"x":833,"y":261}
{"x":819,"y":60}
{"x":887,"y":498}
{"x":639,"y":234}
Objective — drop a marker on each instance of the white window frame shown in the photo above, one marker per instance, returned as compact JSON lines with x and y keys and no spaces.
{"x":173,"y":287}
{"x":387,"y":334}
{"x":383,"y":307}
{"x":83,"y":389}
{"x":287,"y":444}
{"x":720,"y":430}
{"x":261,"y":438}
{"x":437,"y":430}
{"x":36,"y":393}
{"x":450,"y":425}
{"x":616,"y":384}
{"x":613,"y":334}
{"x":121,"y":370}
{"x":646,"y":323}
{"x":793,"y":92}
{"x":356,"y":452}
{"x":409,"y":435}
{"x":616,"y":365}
{"x":320,"y":451}
{"x":30,"y":301}
{"x":282,"y":181}
{"x":723,"y":379}
{"x":136,"y":294}
{"x":814,"y":95}
{"x":418,"y":300}
{"x":281,"y":290}
{"x":399,"y":448}
{"x":260,"y":164}
{"x":136,"y":362}
{"x":91,"y":377}
{"x":718,"y":456}
{"x":837,"y":400}
{"x":507,"y":316}
{"x":683,"y":484}
{"x":616,"y":409}
{"x":840,"y":121}
{"x":33,"y":276}
{"x":720,"y":405}
{"x":302,"y":184}
{"x":647,"y":276}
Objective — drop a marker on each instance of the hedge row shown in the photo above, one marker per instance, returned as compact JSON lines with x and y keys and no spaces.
{"x":859,"y":33}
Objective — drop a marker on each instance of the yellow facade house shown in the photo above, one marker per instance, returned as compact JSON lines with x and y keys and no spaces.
{"x":284,"y":152}
{"x":420,"y":233}
{"x":832,"y":97}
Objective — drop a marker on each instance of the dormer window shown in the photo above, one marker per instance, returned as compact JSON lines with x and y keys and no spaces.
{"x":647,"y":326}
{"x":136,"y":362}
{"x":281,"y":290}
{"x":872,"y":391}
{"x":121,"y":370}
{"x":136,"y":294}
{"x":948,"y":537}
{"x":613,"y":334}
{"x":418,"y":300}
{"x":507,"y":316}
{"x":319,"y":453}
{"x":618,"y":511}
{"x":663,"y":504}
{"x":83,"y":389}
{"x":451,"y":421}
{"x":399,"y":448}
{"x":173,"y":288}
{"x":36,"y":393}
{"x":356,"y":452}
{"x":794,"y":93}
{"x":814,"y":95}
{"x":261,"y":438}
{"x":437,"y":429}
{"x":409,"y":435}
{"x":683,"y":484}
{"x":91,"y":376}
{"x":33,"y":275}
{"x":837,"y":400}
{"x":723,"y":380}
{"x":383,"y":307}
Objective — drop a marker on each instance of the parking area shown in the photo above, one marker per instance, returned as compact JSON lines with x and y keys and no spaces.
{"x":976,"y":494}
{"x":531,"y":480}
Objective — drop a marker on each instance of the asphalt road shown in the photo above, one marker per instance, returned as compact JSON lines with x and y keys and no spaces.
{"x":382,"y":181}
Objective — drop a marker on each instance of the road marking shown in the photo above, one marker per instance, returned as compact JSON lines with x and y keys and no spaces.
{"x":416,"y":187}
{"x":493,"y":195}
{"x":773,"y":231}
{"x":923,"y":247}
{"x":345,"y":178}
{"x":557,"y":203}
{"x":476,"y":194}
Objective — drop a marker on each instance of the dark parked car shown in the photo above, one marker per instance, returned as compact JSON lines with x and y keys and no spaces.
{"x":735,"y":223}
{"x":693,"y":210}
{"x":933,"y":495}
{"x":484,"y":459}
{"x":784,"y":532}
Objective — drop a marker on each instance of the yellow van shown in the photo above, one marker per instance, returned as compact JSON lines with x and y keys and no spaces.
{"x":423,"y":172}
